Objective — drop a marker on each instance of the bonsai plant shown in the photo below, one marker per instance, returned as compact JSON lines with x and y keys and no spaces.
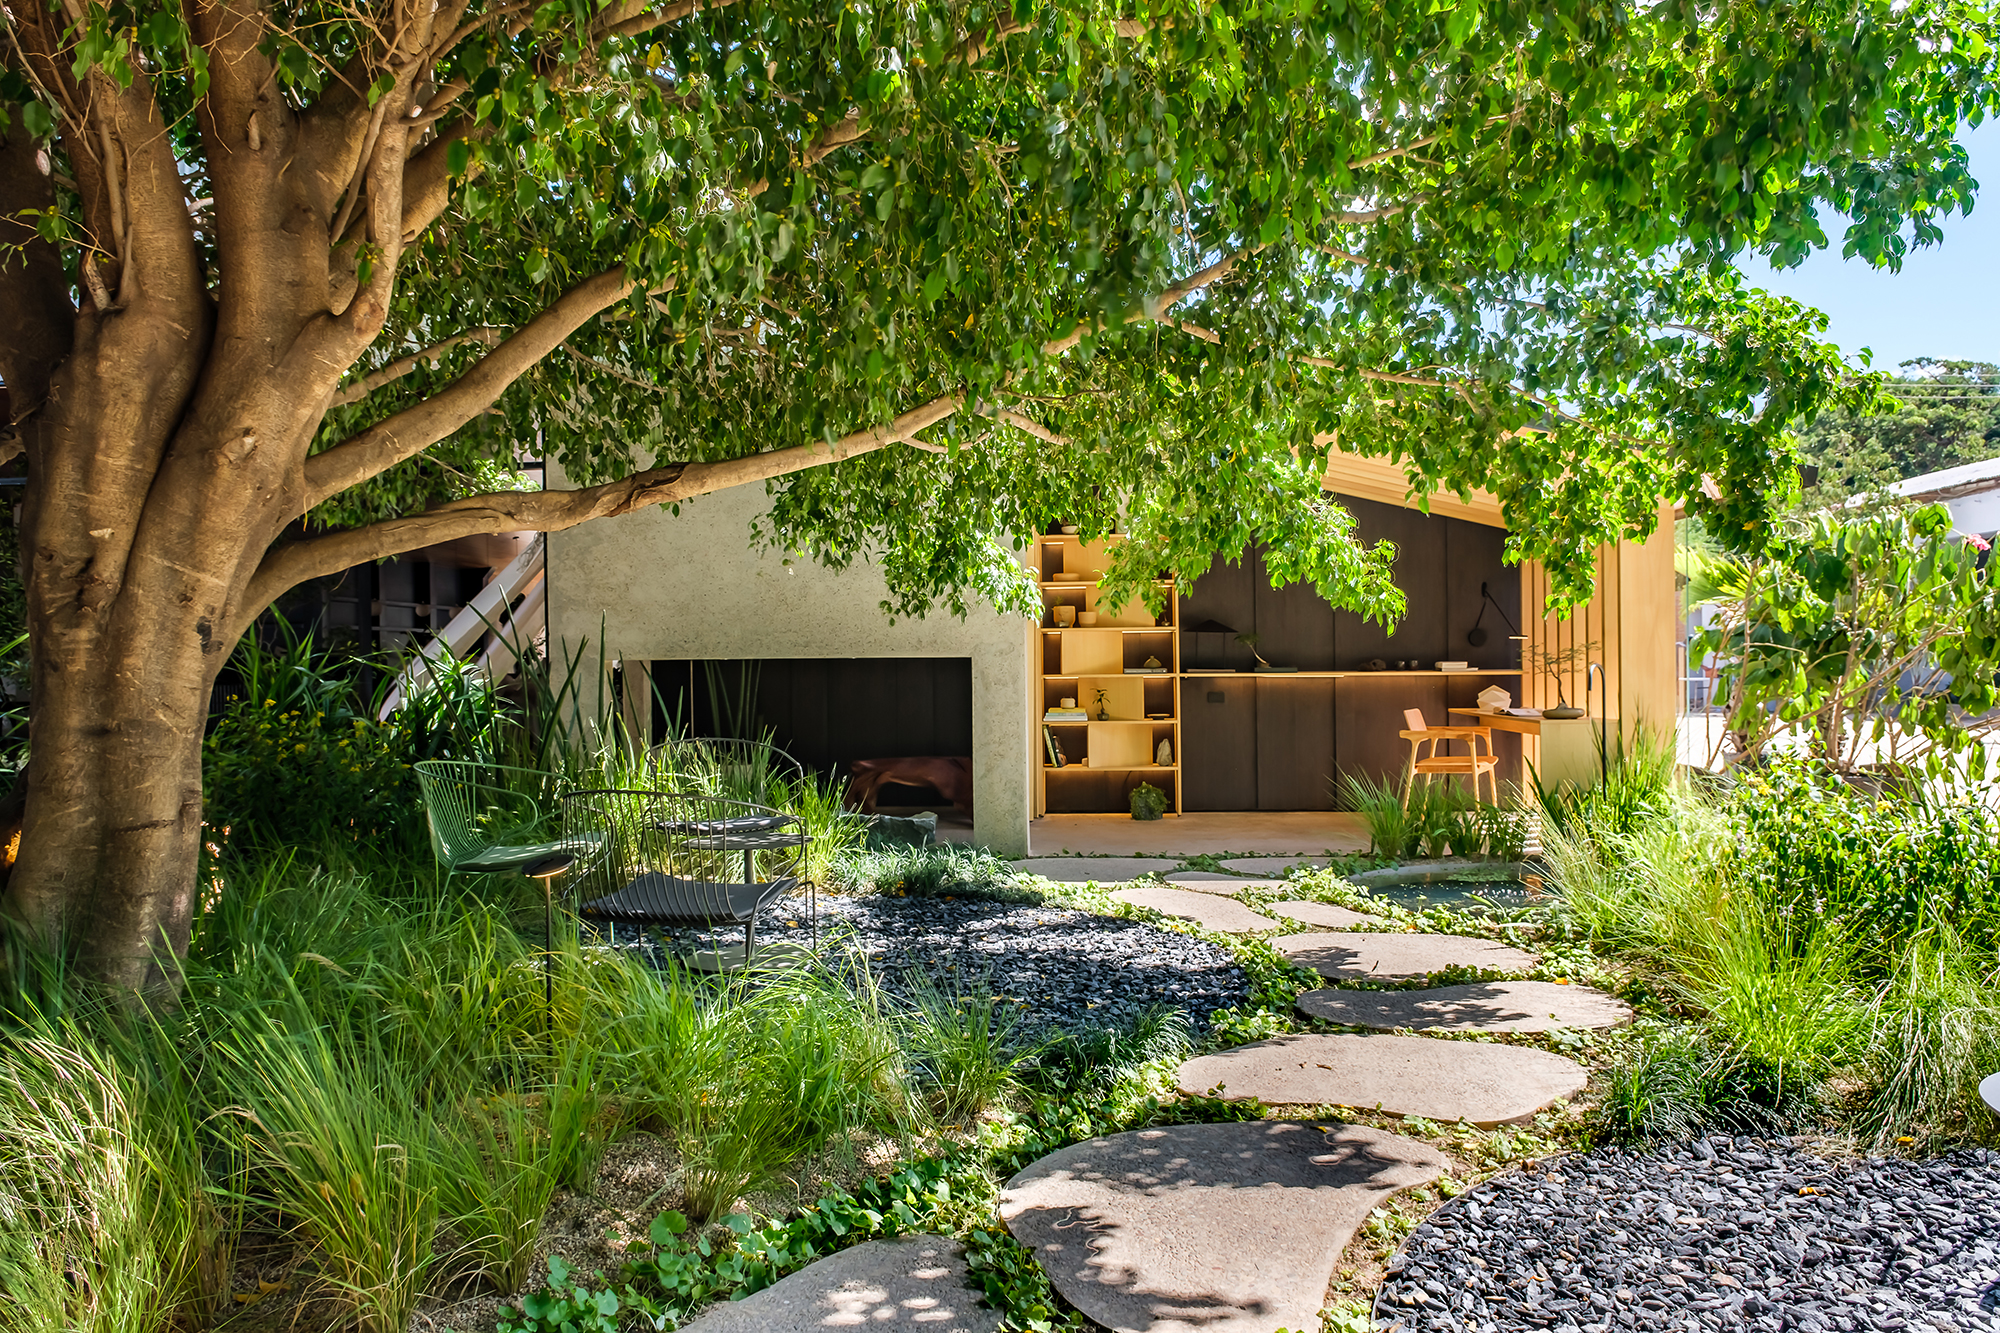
{"x":1148,"y":801}
{"x":1540,"y":660}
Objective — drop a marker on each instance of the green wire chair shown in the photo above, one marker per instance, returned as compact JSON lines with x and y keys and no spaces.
{"x":487,"y":819}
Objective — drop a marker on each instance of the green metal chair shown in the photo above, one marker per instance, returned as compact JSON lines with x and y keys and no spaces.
{"x":487,"y":819}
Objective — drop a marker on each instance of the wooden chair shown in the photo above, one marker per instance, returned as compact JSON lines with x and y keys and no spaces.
{"x":1472,"y":765}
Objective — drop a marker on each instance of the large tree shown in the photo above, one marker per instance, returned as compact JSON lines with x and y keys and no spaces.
{"x":293,"y":284}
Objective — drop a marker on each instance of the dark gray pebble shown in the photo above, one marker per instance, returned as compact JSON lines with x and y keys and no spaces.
{"x":1058,"y":969}
{"x":1716,"y":1234}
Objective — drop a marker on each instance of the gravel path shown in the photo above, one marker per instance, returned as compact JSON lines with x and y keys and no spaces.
{"x":1065,"y":969}
{"x":1719,"y":1234}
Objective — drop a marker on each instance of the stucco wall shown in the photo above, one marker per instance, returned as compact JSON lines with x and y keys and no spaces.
{"x":692,"y":586}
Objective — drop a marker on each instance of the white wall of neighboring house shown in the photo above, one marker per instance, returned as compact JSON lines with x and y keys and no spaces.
{"x":692,"y":586}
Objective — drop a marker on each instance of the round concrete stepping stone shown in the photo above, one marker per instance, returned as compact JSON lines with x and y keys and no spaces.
{"x":1362,"y":956}
{"x":1204,"y":909}
{"x":1330,"y":915}
{"x":1207,"y":1228}
{"x":1093,"y":869}
{"x":1207,"y":881}
{"x":1487,"y":1006}
{"x":915,"y":1282}
{"x":1276,"y":866}
{"x":1447,"y":1081}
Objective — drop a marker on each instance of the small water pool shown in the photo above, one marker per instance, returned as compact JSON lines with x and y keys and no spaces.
{"x":1459,"y":895}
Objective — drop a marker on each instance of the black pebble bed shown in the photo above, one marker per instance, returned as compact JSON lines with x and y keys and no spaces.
{"x":1718,"y":1234}
{"x":1061,"y":969}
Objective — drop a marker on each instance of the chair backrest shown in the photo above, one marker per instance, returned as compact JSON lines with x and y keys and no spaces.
{"x":690,"y":836}
{"x":723,"y":766}
{"x":472,"y":807}
{"x":1413,"y":718}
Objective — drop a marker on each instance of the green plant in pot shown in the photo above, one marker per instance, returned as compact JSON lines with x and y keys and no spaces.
{"x":1554,"y":664}
{"x":1148,"y":801}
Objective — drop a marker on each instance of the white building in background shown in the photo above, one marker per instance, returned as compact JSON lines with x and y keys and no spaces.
{"x":1971,"y":492}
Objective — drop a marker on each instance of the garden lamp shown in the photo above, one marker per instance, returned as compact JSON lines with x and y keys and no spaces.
{"x":545,"y":869}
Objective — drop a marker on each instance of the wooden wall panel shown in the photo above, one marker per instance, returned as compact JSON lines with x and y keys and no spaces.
{"x":1226,"y":594}
{"x":1473,"y":556}
{"x":1219,"y":743}
{"x":1295,"y":743}
{"x":1294,"y":628}
{"x":1368,"y":714}
{"x":1420,"y":572}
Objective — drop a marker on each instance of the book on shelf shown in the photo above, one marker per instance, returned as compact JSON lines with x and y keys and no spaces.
{"x":1056,"y":757}
{"x":1066,"y":715}
{"x":1149,"y":671}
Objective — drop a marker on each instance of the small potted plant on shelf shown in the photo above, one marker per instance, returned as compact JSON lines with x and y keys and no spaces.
{"x":1148,"y":801}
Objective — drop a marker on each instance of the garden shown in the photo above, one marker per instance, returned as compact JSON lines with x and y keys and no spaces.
{"x":388,"y":1098}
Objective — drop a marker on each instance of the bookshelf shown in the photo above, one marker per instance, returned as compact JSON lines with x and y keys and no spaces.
{"x":1115,"y":748}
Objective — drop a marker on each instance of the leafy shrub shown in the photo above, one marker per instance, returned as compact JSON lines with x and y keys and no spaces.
{"x":1884,"y":869}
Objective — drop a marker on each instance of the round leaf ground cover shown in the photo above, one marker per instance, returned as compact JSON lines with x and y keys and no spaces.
{"x":1059,"y":968}
{"x":1717,"y":1234}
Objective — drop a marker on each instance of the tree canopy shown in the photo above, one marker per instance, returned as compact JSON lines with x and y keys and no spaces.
{"x":287,"y":285}
{"x":1158,"y":257}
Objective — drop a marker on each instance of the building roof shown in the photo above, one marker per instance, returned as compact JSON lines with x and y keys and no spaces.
{"x":1952,"y":482}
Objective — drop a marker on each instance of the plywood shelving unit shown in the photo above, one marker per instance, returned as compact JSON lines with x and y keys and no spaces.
{"x":1107,"y":759}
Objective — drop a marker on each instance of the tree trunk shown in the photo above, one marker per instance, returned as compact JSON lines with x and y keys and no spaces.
{"x":112,"y":833}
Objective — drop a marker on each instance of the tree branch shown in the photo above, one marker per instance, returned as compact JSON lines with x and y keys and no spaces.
{"x":415,"y":429}
{"x":291,"y":563}
{"x":486,"y":333}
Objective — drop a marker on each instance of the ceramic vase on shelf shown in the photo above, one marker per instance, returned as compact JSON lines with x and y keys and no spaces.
{"x":1065,"y":616}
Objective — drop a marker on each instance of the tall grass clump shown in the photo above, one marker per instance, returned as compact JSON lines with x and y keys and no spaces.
{"x":746,"y":1078}
{"x":498,"y":1169}
{"x":939,"y":870}
{"x":104,"y":1208}
{"x":343,"y":1147}
{"x":967,"y":1047}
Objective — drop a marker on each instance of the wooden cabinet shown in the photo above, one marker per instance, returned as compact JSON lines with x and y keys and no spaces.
{"x":1131,"y":706}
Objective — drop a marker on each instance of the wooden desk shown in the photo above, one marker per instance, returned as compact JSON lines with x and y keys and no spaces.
{"x":1564,"y":750}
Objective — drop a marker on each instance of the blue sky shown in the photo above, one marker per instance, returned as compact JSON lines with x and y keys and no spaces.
{"x":1944,"y":303}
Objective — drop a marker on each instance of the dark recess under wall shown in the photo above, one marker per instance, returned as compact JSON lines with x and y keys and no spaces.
{"x":1269,"y":743}
{"x":830,"y":711}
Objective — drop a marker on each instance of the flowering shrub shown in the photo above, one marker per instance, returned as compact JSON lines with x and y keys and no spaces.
{"x":278,"y":775}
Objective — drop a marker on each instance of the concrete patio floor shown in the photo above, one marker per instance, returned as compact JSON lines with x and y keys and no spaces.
{"x":1199,"y":833}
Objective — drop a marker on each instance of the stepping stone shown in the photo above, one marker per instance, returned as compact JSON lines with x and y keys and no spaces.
{"x":1231,"y":1228}
{"x":1487,"y":1006}
{"x":915,"y":1282}
{"x":1276,"y":866}
{"x":1326,"y":914}
{"x":1358,"y":956}
{"x":1093,"y":869}
{"x":1204,"y":909}
{"x":1207,"y":881}
{"x":1446,"y":1081}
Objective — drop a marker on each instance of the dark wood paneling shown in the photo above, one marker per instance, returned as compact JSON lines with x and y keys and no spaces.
{"x":1368,"y":714}
{"x":1294,"y":627}
{"x":1473,"y":557}
{"x":1295,"y":743}
{"x":1226,"y":594}
{"x":1420,"y":563}
{"x":831,"y":711}
{"x":1218,"y":744}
